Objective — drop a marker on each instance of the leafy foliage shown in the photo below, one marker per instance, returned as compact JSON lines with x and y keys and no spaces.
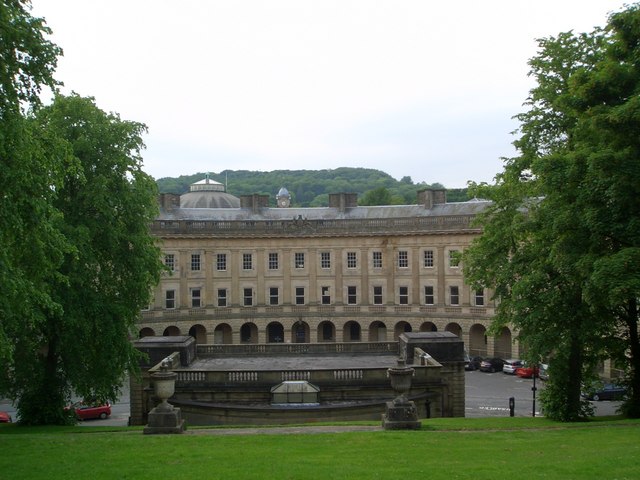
{"x":28,"y":58}
{"x":77,"y":260}
{"x":103,"y":282}
{"x":377,"y":196}
{"x":311,"y":188}
{"x":561,"y":240}
{"x":31,"y":163}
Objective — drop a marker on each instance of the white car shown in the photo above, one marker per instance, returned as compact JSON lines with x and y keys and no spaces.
{"x":510,"y":366}
{"x":543,"y":374}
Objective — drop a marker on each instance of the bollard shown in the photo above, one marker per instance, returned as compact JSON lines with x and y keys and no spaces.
{"x":512,"y":406}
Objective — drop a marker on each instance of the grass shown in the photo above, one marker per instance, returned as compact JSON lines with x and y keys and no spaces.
{"x":482,"y":448}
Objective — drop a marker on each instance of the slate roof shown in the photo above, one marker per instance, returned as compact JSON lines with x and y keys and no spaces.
{"x":471,"y":207}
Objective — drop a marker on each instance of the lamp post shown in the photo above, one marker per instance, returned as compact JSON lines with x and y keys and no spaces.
{"x":533,"y":389}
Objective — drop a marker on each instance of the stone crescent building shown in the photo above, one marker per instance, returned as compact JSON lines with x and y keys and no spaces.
{"x":241,"y":272}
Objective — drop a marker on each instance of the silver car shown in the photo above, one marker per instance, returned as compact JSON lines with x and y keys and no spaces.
{"x":510,"y":366}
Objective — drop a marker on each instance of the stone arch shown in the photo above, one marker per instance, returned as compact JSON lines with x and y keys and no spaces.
{"x":400,"y":328}
{"x":352,"y":331}
{"x":249,"y":333}
{"x":300,"y":332}
{"x":171,"y":331}
{"x":275,"y":332}
{"x":222,"y":334}
{"x":428,"y":327}
{"x":377,"y":331}
{"x":454,"y":328}
{"x":146,"y":332}
{"x":502,"y":343}
{"x":326,"y":331}
{"x":478,"y":340}
{"x":199,"y":333}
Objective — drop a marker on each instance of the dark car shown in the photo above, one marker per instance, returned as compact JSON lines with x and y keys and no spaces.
{"x":472,"y":363}
{"x":491,"y":365}
{"x":608,"y":391}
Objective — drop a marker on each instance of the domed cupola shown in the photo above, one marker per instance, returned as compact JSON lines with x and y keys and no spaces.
{"x":208,"y":193}
{"x":283,"y":198}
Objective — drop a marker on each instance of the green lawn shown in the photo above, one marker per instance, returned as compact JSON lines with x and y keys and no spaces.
{"x":501,"y":448}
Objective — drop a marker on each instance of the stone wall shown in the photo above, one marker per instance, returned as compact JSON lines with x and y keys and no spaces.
{"x":214,"y":396}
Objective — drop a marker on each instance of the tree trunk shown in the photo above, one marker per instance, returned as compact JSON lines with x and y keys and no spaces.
{"x":574,"y":383}
{"x":632,"y":407}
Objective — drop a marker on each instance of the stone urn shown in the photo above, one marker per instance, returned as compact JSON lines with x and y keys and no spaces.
{"x":401,"y":413}
{"x":400,"y":377}
{"x":165,"y":386}
{"x":164,"y":418}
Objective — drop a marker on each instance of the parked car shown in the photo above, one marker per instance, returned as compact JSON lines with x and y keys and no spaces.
{"x":608,"y":391}
{"x":5,"y":417}
{"x":86,"y":411}
{"x":491,"y":365}
{"x":510,"y":366}
{"x":471,"y":363}
{"x":528,"y":371}
{"x":543,"y":374}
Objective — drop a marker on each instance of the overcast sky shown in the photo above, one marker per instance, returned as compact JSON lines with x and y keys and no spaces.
{"x":419,"y":88}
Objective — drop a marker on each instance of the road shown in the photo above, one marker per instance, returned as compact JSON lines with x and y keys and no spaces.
{"x":487,"y":395}
{"x":119,"y":411}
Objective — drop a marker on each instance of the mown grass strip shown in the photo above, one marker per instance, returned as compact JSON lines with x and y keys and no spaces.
{"x":443,"y":449}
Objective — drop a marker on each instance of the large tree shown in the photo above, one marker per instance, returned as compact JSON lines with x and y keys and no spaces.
{"x":77,"y":260}
{"x":607,"y":101}
{"x":31,"y":246}
{"x":562,"y":235}
{"x":104,"y":280}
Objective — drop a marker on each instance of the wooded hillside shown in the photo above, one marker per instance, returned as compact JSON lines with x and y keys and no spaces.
{"x":311,"y":188}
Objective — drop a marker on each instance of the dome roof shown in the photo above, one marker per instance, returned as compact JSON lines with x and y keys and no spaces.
{"x":209,"y":200}
{"x":283,"y":192}
{"x":206,"y":184}
{"x":208,"y":193}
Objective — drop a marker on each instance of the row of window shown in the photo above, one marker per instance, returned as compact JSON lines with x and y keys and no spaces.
{"x":299,"y":259}
{"x":222,"y":296}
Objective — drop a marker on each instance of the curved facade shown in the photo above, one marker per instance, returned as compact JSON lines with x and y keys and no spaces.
{"x":343,"y":273}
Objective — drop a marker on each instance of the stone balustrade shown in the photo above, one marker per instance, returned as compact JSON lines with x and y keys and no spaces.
{"x":294,"y":227}
{"x":189,"y":379}
{"x":227,"y":350}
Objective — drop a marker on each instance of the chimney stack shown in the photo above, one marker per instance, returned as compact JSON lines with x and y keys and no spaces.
{"x":431,"y":197}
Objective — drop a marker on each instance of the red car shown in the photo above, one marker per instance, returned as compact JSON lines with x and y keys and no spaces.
{"x":527,"y":372}
{"x":86,"y":411}
{"x":5,"y":417}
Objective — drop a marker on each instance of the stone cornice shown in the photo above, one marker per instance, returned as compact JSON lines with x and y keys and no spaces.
{"x":324,"y":227}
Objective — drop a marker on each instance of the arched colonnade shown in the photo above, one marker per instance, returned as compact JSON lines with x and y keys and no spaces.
{"x":477,"y":341}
